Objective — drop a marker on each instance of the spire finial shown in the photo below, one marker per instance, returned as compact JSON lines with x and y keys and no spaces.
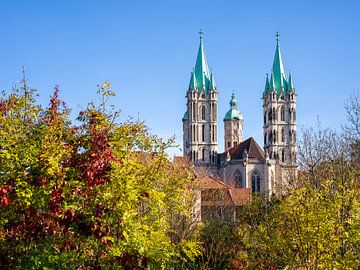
{"x":277,"y":37}
{"x":201,"y":34}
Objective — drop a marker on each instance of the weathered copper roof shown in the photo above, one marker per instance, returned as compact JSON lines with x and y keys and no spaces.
{"x":252,"y":148}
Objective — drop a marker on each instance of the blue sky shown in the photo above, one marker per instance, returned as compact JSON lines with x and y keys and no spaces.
{"x":147,"y":50}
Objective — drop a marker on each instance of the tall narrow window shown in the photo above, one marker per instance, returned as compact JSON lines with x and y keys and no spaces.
{"x":265,"y":139}
{"x":238,"y":179}
{"x":283,"y":155}
{"x":203,"y":133}
{"x":282,"y":135}
{"x":265,"y":118}
{"x":282,"y":114}
{"x":203,"y":113}
{"x":255,"y":182}
{"x":213,"y":133}
{"x":210,"y":131}
{"x":203,"y":154}
{"x":290,"y":115}
{"x":273,"y":114}
{"x":274,"y":135}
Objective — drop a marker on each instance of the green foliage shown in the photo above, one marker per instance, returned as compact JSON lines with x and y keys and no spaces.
{"x":98,"y":195}
{"x":315,"y":226}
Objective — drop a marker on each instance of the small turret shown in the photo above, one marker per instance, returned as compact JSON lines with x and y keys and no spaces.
{"x":233,"y":125}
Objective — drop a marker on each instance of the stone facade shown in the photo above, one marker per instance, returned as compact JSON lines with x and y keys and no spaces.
{"x":244,"y":165}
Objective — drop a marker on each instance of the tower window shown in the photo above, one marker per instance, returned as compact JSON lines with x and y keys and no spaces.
{"x":290,"y":118}
{"x":203,"y":133}
{"x":273,"y":114}
{"x":283,"y":155}
{"x":274,"y":135}
{"x":203,"y":113}
{"x":282,"y":117}
{"x":203,"y":154}
{"x":229,"y":144}
{"x":265,"y":118}
{"x":282,"y":135}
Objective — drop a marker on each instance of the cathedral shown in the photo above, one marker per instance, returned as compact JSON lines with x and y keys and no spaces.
{"x":243,"y":164}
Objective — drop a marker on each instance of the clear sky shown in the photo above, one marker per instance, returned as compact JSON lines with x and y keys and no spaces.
{"x":147,"y":50}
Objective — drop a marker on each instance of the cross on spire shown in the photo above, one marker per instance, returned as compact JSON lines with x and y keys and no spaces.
{"x":201,"y":34}
{"x":277,"y":37}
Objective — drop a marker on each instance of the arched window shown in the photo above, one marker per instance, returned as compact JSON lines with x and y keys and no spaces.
{"x":238,"y":179}
{"x":273,"y":114}
{"x":283,"y":155}
{"x":270,"y":115}
{"x":255,"y":182}
{"x":270,"y":137}
{"x":282,"y":112}
{"x":203,"y":154}
{"x":290,"y":115}
{"x":282,"y":135}
{"x":203,"y":113}
{"x":274,"y":135}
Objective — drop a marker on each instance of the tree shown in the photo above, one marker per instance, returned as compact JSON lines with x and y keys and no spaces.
{"x":316,"y":225}
{"x":97,"y":195}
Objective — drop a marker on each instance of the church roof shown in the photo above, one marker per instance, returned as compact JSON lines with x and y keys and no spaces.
{"x":233,"y":113}
{"x":252,"y":148}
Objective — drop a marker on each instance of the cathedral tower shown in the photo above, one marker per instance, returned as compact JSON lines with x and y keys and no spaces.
{"x":200,"y":119}
{"x":279,"y":107}
{"x":233,"y":125}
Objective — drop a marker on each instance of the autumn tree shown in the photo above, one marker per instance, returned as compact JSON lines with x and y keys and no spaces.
{"x":98,"y":194}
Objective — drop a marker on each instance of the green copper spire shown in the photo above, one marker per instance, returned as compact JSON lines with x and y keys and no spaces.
{"x":186,"y":116}
{"x":202,"y":74}
{"x":272,"y":82}
{"x":193,"y":84}
{"x":278,"y":68}
{"x":233,"y":113}
{"x":290,"y":85}
{"x":212,"y":82}
{"x":267,"y":84}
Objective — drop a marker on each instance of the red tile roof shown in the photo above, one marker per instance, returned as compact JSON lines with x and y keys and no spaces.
{"x":252,"y":148}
